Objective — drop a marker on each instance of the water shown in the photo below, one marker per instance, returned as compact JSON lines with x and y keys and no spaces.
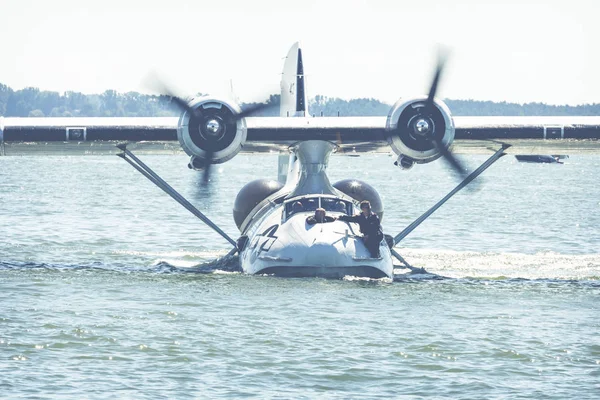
{"x":100,"y":297}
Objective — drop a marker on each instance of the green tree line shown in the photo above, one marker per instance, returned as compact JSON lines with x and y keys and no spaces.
{"x":33,"y":102}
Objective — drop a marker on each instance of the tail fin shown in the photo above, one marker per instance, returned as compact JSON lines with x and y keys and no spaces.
{"x":293,"y":85}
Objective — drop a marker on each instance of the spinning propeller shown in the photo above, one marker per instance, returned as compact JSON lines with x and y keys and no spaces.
{"x":212,"y":125}
{"x":424,"y":126}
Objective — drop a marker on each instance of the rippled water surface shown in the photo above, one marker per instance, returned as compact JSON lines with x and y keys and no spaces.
{"x":108,"y":288}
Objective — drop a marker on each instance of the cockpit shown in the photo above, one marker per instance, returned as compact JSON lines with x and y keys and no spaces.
{"x":310,"y":204}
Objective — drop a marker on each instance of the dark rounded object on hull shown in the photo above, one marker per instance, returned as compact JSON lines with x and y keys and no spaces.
{"x":252,"y":194}
{"x":241,"y":243}
{"x":360,"y":191}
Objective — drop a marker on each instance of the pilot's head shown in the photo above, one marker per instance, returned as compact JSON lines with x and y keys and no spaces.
{"x":340,"y":206}
{"x":365,"y":207}
{"x":297,"y":207}
{"x":320,"y":214}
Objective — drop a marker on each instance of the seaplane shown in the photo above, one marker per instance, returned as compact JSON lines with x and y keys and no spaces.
{"x":271,"y":214}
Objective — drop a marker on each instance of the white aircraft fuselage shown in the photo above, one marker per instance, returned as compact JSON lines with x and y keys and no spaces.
{"x":281,"y":242}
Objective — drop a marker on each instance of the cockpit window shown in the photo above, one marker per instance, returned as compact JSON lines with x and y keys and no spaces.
{"x":311,"y":204}
{"x":334,"y":205}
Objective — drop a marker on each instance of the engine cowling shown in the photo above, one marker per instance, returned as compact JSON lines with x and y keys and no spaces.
{"x":211,"y":134}
{"x":412,"y":128}
{"x":360,"y":191}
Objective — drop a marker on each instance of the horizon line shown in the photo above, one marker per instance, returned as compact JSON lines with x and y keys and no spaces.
{"x":64,"y":92}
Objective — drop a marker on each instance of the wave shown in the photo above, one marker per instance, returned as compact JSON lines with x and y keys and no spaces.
{"x":428,"y":264}
{"x":503,"y":265}
{"x":224,"y":264}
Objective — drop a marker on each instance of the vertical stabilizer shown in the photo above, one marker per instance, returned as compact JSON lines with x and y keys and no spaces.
{"x":232,"y":94}
{"x":293,"y":85}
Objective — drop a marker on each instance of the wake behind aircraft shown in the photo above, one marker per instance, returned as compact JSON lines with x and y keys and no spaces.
{"x":275,"y":236}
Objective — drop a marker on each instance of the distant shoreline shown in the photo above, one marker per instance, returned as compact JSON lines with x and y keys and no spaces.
{"x":33,"y":102}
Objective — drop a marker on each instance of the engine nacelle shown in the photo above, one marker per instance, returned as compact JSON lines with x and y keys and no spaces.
{"x":251,"y":195}
{"x":211,"y":134}
{"x":411,"y":129}
{"x":360,"y":191}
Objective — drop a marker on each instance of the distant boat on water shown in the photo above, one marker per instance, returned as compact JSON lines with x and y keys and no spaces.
{"x":547,"y":159}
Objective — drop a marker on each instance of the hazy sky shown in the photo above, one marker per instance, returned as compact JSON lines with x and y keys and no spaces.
{"x":517,"y":51}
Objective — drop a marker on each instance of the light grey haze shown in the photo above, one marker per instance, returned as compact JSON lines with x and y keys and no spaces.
{"x":518,"y":51}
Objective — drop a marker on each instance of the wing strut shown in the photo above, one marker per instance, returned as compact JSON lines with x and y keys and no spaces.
{"x":495,"y":157}
{"x":158,"y":181}
{"x":406,"y":264}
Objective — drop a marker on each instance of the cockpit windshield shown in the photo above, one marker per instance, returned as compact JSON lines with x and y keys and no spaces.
{"x":330,"y":204}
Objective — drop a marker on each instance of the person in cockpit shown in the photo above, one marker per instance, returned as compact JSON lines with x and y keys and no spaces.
{"x":370,"y":227}
{"x":297,"y":207}
{"x":340,"y":206}
{"x":319,"y":217}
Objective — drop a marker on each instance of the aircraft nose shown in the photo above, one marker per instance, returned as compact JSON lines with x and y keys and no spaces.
{"x":321,"y":253}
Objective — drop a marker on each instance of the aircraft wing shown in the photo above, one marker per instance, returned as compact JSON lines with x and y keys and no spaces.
{"x":527,"y":135}
{"x":473,"y":135}
{"x":55,"y":136}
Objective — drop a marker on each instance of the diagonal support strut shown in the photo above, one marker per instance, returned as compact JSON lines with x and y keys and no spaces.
{"x":406,"y":264}
{"x":158,"y":181}
{"x":495,"y":157}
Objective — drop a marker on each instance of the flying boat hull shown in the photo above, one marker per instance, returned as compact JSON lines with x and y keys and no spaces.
{"x":296,"y":249}
{"x":279,"y":240}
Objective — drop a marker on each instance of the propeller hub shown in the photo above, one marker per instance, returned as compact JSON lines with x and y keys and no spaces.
{"x":213,"y":127}
{"x":421,"y":127}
